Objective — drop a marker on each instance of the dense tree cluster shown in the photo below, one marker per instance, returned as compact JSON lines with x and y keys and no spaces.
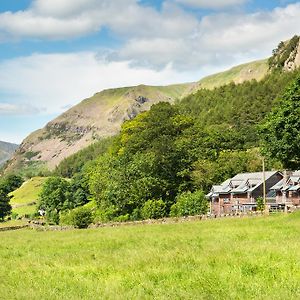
{"x":59,"y":195}
{"x":281,"y":128}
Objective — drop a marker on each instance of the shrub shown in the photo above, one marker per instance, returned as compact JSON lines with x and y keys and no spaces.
{"x":136,"y":215}
{"x":260,"y":204}
{"x":122,"y":218}
{"x":154,"y":209}
{"x":80,"y":217}
{"x":106,"y":215}
{"x":14,"y":216}
{"x":189,"y":204}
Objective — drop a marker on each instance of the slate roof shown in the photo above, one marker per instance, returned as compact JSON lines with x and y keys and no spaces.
{"x":292,"y":183}
{"x":240,"y":183}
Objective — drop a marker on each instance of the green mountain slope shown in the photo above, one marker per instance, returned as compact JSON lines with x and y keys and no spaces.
{"x":6,"y":151}
{"x":24,"y":199}
{"x":254,"y":70}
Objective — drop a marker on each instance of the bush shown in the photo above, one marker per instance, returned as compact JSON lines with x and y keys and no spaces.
{"x":136,"y":215}
{"x":154,"y":209}
{"x":14,"y":216}
{"x":80,"y":217}
{"x":106,"y":215}
{"x":189,"y":204}
{"x":260,"y":204}
{"x":122,"y":218}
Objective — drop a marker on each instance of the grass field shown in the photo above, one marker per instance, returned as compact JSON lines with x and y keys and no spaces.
{"x":251,"y":258}
{"x":23,"y":198}
{"x":12,"y":223}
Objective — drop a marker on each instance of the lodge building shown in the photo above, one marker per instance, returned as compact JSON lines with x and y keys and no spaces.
{"x":239,"y":194}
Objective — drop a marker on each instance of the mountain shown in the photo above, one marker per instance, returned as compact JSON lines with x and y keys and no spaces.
{"x":6,"y":151}
{"x":103,"y":114}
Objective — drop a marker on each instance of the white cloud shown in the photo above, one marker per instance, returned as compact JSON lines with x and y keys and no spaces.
{"x":59,"y":19}
{"x":215,"y":4}
{"x":217,"y":40}
{"x":17,"y":109}
{"x":51,"y":82}
{"x":64,"y":8}
{"x":172,"y":36}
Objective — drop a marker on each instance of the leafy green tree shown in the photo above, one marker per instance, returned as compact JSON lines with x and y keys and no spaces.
{"x":189,"y":204}
{"x":229,"y":163}
{"x":281,"y":129}
{"x":79,"y":190}
{"x":5,"y":207}
{"x":54,"y":197}
{"x":11,"y":182}
{"x":147,"y":163}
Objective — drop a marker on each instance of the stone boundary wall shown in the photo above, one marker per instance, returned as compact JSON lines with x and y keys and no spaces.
{"x":41,"y":227}
{"x":13,"y":227}
{"x":175,"y":220}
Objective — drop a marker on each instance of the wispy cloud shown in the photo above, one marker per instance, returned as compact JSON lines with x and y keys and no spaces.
{"x":17,"y":109}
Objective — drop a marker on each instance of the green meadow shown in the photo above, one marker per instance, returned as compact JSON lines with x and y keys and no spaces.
{"x":25,"y":198}
{"x":238,"y":258}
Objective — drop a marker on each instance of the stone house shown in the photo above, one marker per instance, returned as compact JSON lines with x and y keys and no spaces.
{"x":239,"y":194}
{"x":287,"y":190}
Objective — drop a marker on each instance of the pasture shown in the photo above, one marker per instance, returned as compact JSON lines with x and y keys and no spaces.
{"x":247,"y":258}
{"x":24,"y":199}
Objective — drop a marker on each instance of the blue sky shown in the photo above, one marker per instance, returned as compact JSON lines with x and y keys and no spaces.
{"x":54,"y":53}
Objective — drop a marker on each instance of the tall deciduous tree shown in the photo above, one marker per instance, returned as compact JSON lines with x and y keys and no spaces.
{"x":281,"y":129}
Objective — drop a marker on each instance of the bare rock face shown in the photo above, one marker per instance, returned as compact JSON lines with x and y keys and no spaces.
{"x":293,"y":62}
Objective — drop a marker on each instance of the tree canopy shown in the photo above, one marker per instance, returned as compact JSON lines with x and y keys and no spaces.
{"x":281,"y":129}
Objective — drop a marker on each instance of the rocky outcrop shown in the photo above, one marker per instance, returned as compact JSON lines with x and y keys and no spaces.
{"x":286,"y":56}
{"x":293,"y":62}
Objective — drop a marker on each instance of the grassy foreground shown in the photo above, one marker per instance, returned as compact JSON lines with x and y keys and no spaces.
{"x":252,"y":258}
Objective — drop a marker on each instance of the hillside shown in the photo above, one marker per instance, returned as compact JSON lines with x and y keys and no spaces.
{"x":6,"y":151}
{"x":93,"y":118}
{"x":254,"y":70}
{"x":24,"y":199}
{"x":102,"y":114}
